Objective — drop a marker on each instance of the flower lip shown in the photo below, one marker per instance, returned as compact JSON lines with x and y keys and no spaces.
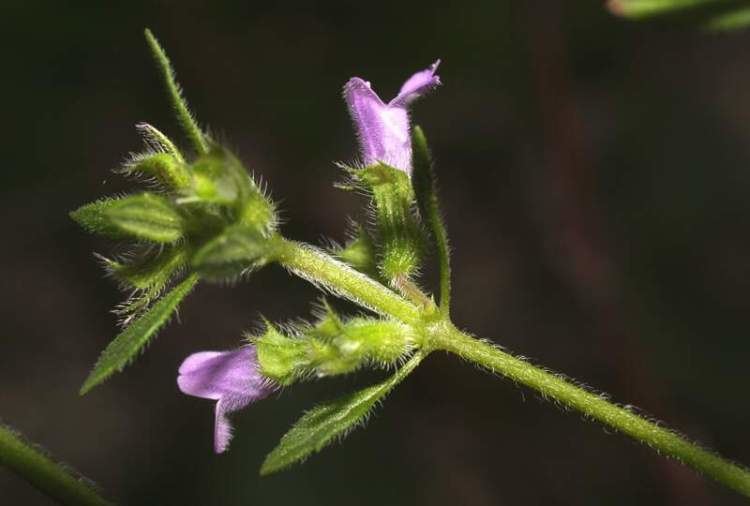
{"x":231,"y":378}
{"x":383,"y":130}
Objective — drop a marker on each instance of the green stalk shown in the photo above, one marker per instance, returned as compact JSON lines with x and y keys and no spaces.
{"x":323,"y":270}
{"x":555,"y":387}
{"x":51,"y":478}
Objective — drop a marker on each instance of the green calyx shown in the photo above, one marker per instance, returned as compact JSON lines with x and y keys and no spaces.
{"x":143,"y":217}
{"x":400,"y":237}
{"x":332,"y":346}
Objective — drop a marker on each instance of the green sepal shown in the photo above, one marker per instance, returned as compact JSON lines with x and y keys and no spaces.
{"x":219,"y":178}
{"x":126,"y":346}
{"x":163,"y":167}
{"x":360,"y":252}
{"x":401,"y":238}
{"x":280,"y":358}
{"x":332,"y":346}
{"x":148,"y":275}
{"x":158,"y":141}
{"x":232,"y":253}
{"x":328,"y":422}
{"x":328,"y":325}
{"x":359,"y":342}
{"x":146,"y":217}
{"x":152,"y":270}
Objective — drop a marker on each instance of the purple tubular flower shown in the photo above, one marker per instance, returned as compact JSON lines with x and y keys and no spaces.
{"x":231,"y":378}
{"x":383,"y":129}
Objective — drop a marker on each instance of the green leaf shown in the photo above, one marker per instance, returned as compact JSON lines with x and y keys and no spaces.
{"x":232,"y":252}
{"x":720,"y":15}
{"x":425,"y":188}
{"x":731,"y":20}
{"x":179,"y":104}
{"x":146,"y":217}
{"x":123,"y":349}
{"x":323,"y":424}
{"x":647,"y":8}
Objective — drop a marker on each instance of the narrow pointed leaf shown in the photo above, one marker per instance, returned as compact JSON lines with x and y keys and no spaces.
{"x":717,"y":15}
{"x":646,"y":8}
{"x":323,"y":424}
{"x":126,"y":346}
{"x":174,"y":91}
{"x":425,"y":188}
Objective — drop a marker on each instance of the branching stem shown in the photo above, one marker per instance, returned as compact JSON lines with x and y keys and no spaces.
{"x":321,"y":269}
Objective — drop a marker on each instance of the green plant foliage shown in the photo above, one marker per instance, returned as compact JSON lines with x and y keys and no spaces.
{"x":332,"y":346}
{"x":323,"y":424}
{"x":179,"y":104}
{"x":231,"y":253}
{"x":145,"y":217}
{"x":152,"y":271}
{"x":425,"y":188}
{"x":360,"y":252}
{"x":709,"y":14}
{"x":164,"y":167}
{"x":126,"y":346}
{"x":159,"y":142}
{"x":280,"y":358}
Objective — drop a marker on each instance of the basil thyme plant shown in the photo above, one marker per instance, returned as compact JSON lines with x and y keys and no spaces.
{"x":204,"y":219}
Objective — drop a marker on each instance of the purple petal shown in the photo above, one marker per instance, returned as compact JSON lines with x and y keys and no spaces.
{"x":229,"y":377}
{"x":214,"y":374}
{"x":417,"y":85}
{"x":383,"y":131}
{"x":222,"y":425}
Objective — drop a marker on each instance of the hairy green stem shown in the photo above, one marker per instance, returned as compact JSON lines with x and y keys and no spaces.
{"x":55,"y":480}
{"x":555,"y":387}
{"x":323,"y":270}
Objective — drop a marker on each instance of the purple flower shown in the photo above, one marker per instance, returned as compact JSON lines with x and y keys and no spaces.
{"x":383,"y":129}
{"x":231,"y":378}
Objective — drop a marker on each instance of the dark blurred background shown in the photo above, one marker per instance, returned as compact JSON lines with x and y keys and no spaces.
{"x":595,"y":175}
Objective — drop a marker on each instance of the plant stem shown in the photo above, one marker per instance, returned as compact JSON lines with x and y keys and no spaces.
{"x":323,"y":270}
{"x":54,"y":479}
{"x":555,"y":387}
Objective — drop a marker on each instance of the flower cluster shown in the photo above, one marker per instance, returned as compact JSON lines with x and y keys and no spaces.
{"x":235,"y":379}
